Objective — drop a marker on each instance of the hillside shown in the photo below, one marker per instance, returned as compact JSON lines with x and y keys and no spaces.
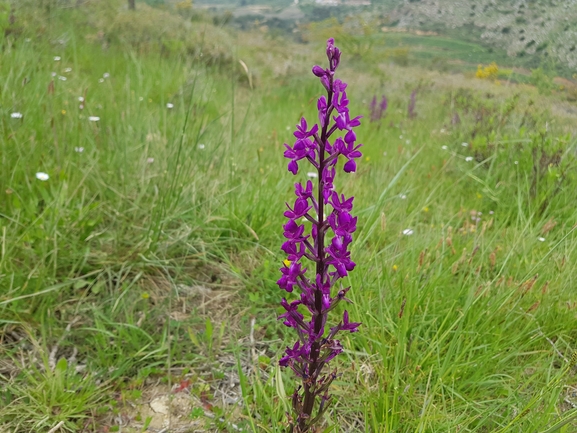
{"x":546,"y":29}
{"x":537,"y":32}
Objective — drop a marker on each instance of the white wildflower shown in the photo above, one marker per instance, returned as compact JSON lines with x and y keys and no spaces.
{"x":541,"y":239}
{"x":16,"y":115}
{"x":464,"y":144}
{"x":79,"y":149}
{"x":402,"y":196}
{"x":408,"y":232}
{"x":149,"y":160}
{"x":101,"y":80}
{"x":93,"y":118}
{"x":57,"y":58}
{"x":42,"y":176}
{"x":201,"y":146}
{"x":169,"y":105}
{"x":61,"y":78}
{"x":444,"y":147}
{"x":469,"y":158}
{"x":68,"y":70}
{"x":81,"y":98}
{"x":106,"y":75}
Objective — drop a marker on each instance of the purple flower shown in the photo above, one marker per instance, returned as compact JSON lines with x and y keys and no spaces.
{"x":293,"y":318}
{"x":377,"y":112}
{"x":341,"y":204}
{"x":302,"y":132}
{"x":300,"y":209}
{"x":343,"y":121}
{"x":339,"y":257}
{"x":304,"y":193}
{"x":349,"y":326}
{"x":326,"y":243}
{"x":383,"y":105}
{"x":318,"y":71}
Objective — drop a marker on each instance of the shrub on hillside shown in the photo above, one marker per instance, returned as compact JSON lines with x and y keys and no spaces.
{"x":489,"y":72}
{"x":541,"y":80}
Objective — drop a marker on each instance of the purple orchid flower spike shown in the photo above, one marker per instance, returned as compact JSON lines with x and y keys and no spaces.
{"x":326,"y":245}
{"x":378,"y":111}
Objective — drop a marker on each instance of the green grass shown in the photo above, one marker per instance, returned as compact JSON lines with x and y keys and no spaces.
{"x":426,"y":48}
{"x":121,"y":275}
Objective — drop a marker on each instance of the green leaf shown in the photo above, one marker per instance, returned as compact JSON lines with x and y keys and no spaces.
{"x":62,"y":365}
{"x":81,"y":284}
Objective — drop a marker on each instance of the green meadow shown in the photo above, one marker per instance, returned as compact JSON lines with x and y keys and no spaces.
{"x":142,"y":191}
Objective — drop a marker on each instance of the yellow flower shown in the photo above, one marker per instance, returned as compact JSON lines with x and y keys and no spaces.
{"x":426,"y":209}
{"x":145,"y":296}
{"x":286,"y":262}
{"x":63,"y":111}
{"x":395,"y":268}
{"x":368,"y":158}
{"x":479,"y":195}
{"x":489,"y":72}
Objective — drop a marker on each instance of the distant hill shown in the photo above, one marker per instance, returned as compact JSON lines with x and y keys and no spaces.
{"x":546,"y":29}
{"x":536,"y":30}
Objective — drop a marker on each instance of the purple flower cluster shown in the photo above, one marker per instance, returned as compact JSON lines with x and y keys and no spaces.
{"x":378,"y":111}
{"x":325,"y":243}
